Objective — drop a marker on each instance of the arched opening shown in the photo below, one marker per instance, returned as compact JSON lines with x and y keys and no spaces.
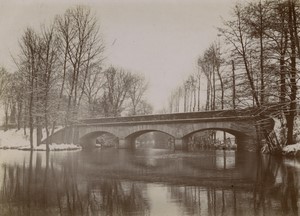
{"x":100,"y":139}
{"x":212,"y":138}
{"x":151,"y":139}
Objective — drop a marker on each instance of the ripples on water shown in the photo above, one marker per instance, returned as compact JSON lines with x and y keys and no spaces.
{"x":147,"y":182}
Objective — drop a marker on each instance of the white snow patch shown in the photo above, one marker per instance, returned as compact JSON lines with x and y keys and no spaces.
{"x":291,"y":149}
{"x":53,"y":147}
{"x":280,"y":130}
{"x":15,"y":139}
{"x":297,"y":129}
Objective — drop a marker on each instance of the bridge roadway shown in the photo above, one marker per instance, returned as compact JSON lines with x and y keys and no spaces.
{"x":240,"y":123}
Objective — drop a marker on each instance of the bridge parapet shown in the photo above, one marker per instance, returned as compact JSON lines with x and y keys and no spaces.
{"x":179,"y":126}
{"x":173,"y":116}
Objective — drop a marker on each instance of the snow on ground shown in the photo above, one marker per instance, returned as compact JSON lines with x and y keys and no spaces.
{"x":280,"y":131}
{"x":291,"y":150}
{"x":15,"y":139}
{"x":53,"y":147}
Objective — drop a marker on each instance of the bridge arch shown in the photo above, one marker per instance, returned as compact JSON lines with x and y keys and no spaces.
{"x":131,"y":138}
{"x":137,"y":130}
{"x":88,"y":140}
{"x":245,"y":133}
{"x":236,"y":129}
{"x":187,"y":137}
{"x":232,"y":132}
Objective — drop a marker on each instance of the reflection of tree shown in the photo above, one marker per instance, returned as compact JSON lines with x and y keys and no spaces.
{"x":289,"y":190}
{"x":205,"y":200}
{"x":49,"y":189}
{"x":111,"y":197}
{"x":41,"y":187}
{"x":275,"y":192}
{"x":276,"y":181}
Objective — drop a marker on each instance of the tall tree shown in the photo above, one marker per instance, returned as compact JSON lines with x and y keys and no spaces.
{"x":293,"y":71}
{"x":116,"y":88}
{"x":235,"y":32}
{"x":136,"y":93}
{"x":28,"y":65}
{"x":83,"y":48}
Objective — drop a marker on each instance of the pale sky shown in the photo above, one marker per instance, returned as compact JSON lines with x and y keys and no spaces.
{"x":159,"y":38}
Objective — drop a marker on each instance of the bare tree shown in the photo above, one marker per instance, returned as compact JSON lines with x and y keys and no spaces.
{"x":28,"y":65}
{"x":293,"y":34}
{"x":93,"y":89}
{"x":83,"y":49}
{"x":49,"y":55}
{"x":136,"y":92}
{"x":7,"y":94}
{"x":117,"y":85}
{"x":235,"y":33}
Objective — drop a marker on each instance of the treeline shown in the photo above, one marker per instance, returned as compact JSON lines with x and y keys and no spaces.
{"x":253,"y":63}
{"x":61,"y":77}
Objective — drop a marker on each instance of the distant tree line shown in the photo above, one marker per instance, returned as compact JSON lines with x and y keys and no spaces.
{"x":61,"y":77}
{"x":253,"y":63}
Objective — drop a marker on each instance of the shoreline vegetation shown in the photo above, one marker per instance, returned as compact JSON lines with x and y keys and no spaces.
{"x":279,"y":144}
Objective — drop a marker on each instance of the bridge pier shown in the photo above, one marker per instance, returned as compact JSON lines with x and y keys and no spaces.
{"x":180,"y":144}
{"x":124,"y":143}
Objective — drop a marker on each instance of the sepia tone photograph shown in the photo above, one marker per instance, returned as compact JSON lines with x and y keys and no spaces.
{"x":149,"y":107}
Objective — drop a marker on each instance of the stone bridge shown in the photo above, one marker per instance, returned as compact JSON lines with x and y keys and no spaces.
{"x":242,"y":124}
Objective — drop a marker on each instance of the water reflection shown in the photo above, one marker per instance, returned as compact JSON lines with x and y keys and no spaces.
{"x":147,"y":182}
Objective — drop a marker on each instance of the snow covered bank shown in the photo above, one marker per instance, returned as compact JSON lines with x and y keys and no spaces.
{"x":52,"y":147}
{"x":15,"y":139}
{"x":280,"y":133}
{"x":291,"y":150}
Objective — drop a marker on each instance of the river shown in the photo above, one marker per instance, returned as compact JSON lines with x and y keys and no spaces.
{"x":147,"y":182}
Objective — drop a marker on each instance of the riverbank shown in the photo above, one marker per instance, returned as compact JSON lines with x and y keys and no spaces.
{"x":291,"y":150}
{"x":280,"y":131}
{"x":15,"y":139}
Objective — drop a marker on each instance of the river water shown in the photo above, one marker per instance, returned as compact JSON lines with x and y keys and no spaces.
{"x":147,"y":182}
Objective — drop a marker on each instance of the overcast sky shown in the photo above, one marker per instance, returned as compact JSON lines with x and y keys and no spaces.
{"x":159,"y":38}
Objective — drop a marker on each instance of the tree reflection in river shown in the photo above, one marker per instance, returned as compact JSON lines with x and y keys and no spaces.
{"x":277,"y":179}
{"x":113,"y":182}
{"x":33,"y":189}
{"x":276,"y":192}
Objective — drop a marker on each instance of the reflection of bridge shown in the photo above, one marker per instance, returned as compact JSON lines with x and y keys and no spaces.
{"x":180,"y":126}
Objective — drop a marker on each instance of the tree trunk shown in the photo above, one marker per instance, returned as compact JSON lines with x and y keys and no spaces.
{"x":6,"y":119}
{"x":246,"y":63}
{"x":31,"y":120}
{"x":207,"y":94}
{"x":233,"y":84}
{"x":38,"y":132}
{"x":262,"y":82}
{"x":292,"y":111}
{"x":213,"y":107}
{"x":282,"y":79}
{"x":19,"y":115}
{"x":62,"y":85}
{"x":199,"y":93}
